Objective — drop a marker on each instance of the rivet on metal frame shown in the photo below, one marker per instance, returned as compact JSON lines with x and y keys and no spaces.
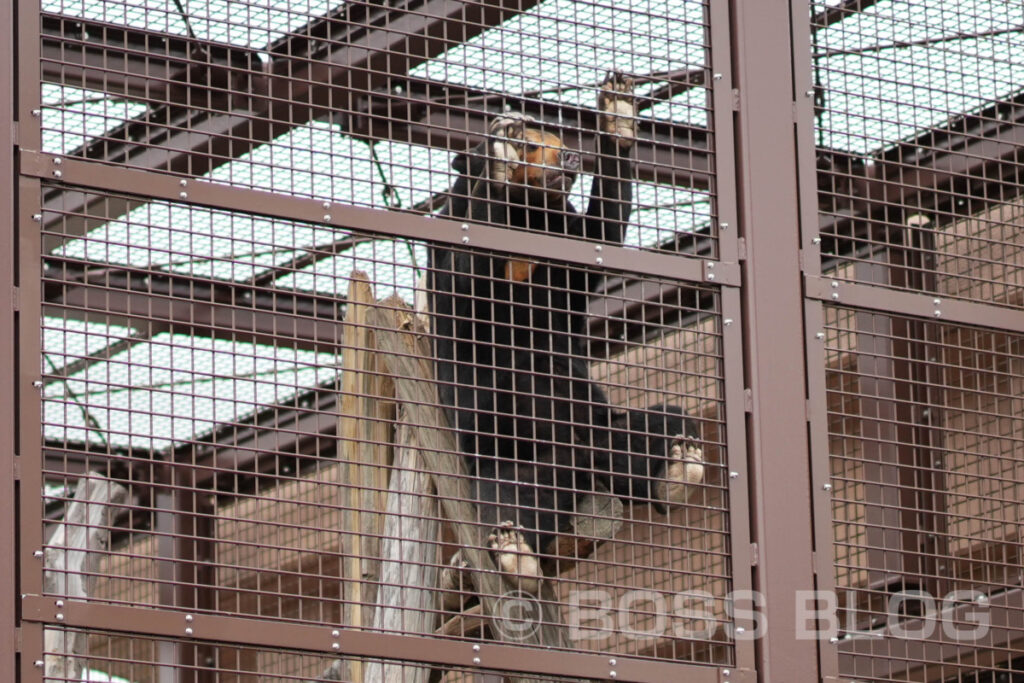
{"x":599,"y":260}
{"x":476,"y":660}
{"x":57,"y":161}
{"x":734,"y":475}
{"x":60,"y":603}
{"x":613,"y":674}
{"x":834,"y":285}
{"x":816,"y":240}
{"x":717,"y":77}
{"x":36,"y":113}
{"x":835,"y":296}
{"x":727,"y":322}
{"x":327,"y":217}
{"x":188,"y":618}
{"x":335,"y":646}
{"x":38,"y":384}
{"x":726,"y":673}
{"x":937,"y":302}
{"x":465,"y":226}
{"x":723,"y":226}
{"x":827,"y":487}
{"x":465,"y":239}
{"x":809,"y":93}
{"x":57,"y":174}
{"x":335,"y":633}
{"x":183,"y":182}
{"x":183,"y":195}
{"x":37,"y":217}
{"x":60,"y":616}
{"x":819,"y":335}
{"x":326,"y":205}
{"x":38,"y":554}
{"x":476,"y":648}
{"x":937,"y":313}
{"x":598,"y":248}
{"x":740,"y":630}
{"x":38,"y":664}
{"x":188,"y":630}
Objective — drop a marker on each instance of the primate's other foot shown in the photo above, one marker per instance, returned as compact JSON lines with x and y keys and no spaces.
{"x":515,"y":557}
{"x":455,"y":583}
{"x":685,"y":468}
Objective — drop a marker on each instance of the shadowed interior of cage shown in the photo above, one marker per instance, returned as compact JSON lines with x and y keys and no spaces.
{"x":924,"y":415}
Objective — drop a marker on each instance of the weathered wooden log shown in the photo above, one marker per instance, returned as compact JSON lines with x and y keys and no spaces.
{"x":407,"y":354}
{"x":364,"y":430}
{"x":71,"y":563}
{"x":408,"y":557}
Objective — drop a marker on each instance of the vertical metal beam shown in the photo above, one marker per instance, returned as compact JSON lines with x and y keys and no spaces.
{"x":8,"y":343}
{"x":773,"y":320}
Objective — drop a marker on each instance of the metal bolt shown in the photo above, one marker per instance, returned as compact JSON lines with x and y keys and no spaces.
{"x":834,"y":284}
{"x":711,"y":266}
{"x":335,"y":633}
{"x":60,"y":603}
{"x":717,"y":77}
{"x":835,"y":296}
{"x":465,"y":239}
{"x":326,"y":205}
{"x":60,"y":616}
{"x":820,"y":335}
{"x":38,"y":384}
{"x":740,"y":630}
{"x":833,"y":640}
{"x":183,"y":182}
{"x":335,"y":646}
{"x":476,"y":660}
{"x":723,"y":226}
{"x":465,"y":226}
{"x":38,"y":663}
{"x":598,"y":248}
{"x":57,"y":174}
{"x":57,"y":161}
{"x":937,"y":314}
{"x":327,"y":217}
{"x":188,"y":631}
{"x":476,"y":648}
{"x":183,"y":195}
{"x":37,"y":217}
{"x":726,"y":673}
{"x":599,"y":260}
{"x":809,"y":93}
{"x":612,"y":674}
{"x":188,"y":618}
{"x":816,"y":240}
{"x":727,"y":322}
{"x":37,"y":554}
{"x":36,"y":113}
{"x":827,"y":487}
{"x":734,"y":475}
{"x":612,"y":662}
{"x":937,"y":301}
{"x":711,"y":276}
{"x":982,"y":598}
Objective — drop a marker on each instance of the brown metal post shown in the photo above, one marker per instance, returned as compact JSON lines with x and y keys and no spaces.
{"x":773,"y":317}
{"x":8,"y":347}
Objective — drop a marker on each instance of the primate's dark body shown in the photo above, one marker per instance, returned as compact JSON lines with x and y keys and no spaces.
{"x":512,"y":360}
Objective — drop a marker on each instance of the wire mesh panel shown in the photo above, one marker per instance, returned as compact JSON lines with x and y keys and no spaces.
{"x":918,"y":130}
{"x":367,"y":104}
{"x":273,"y":393}
{"x":925,"y":426}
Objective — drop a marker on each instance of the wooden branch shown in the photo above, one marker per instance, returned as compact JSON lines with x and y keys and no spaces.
{"x":71,"y":562}
{"x":408,"y":555}
{"x":364,"y":430}
{"x":408,"y":356}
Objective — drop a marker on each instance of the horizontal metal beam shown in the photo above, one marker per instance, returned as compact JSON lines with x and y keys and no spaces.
{"x":914,"y":304}
{"x":254,"y":632}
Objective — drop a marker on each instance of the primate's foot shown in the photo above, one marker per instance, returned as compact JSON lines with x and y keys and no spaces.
{"x":685,"y":467}
{"x":455,"y":583}
{"x":515,"y":557}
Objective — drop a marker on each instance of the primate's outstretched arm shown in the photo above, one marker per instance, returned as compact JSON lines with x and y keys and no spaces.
{"x":611,"y":195}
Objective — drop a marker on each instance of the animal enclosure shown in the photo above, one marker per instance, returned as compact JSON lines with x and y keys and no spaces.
{"x":457,"y":340}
